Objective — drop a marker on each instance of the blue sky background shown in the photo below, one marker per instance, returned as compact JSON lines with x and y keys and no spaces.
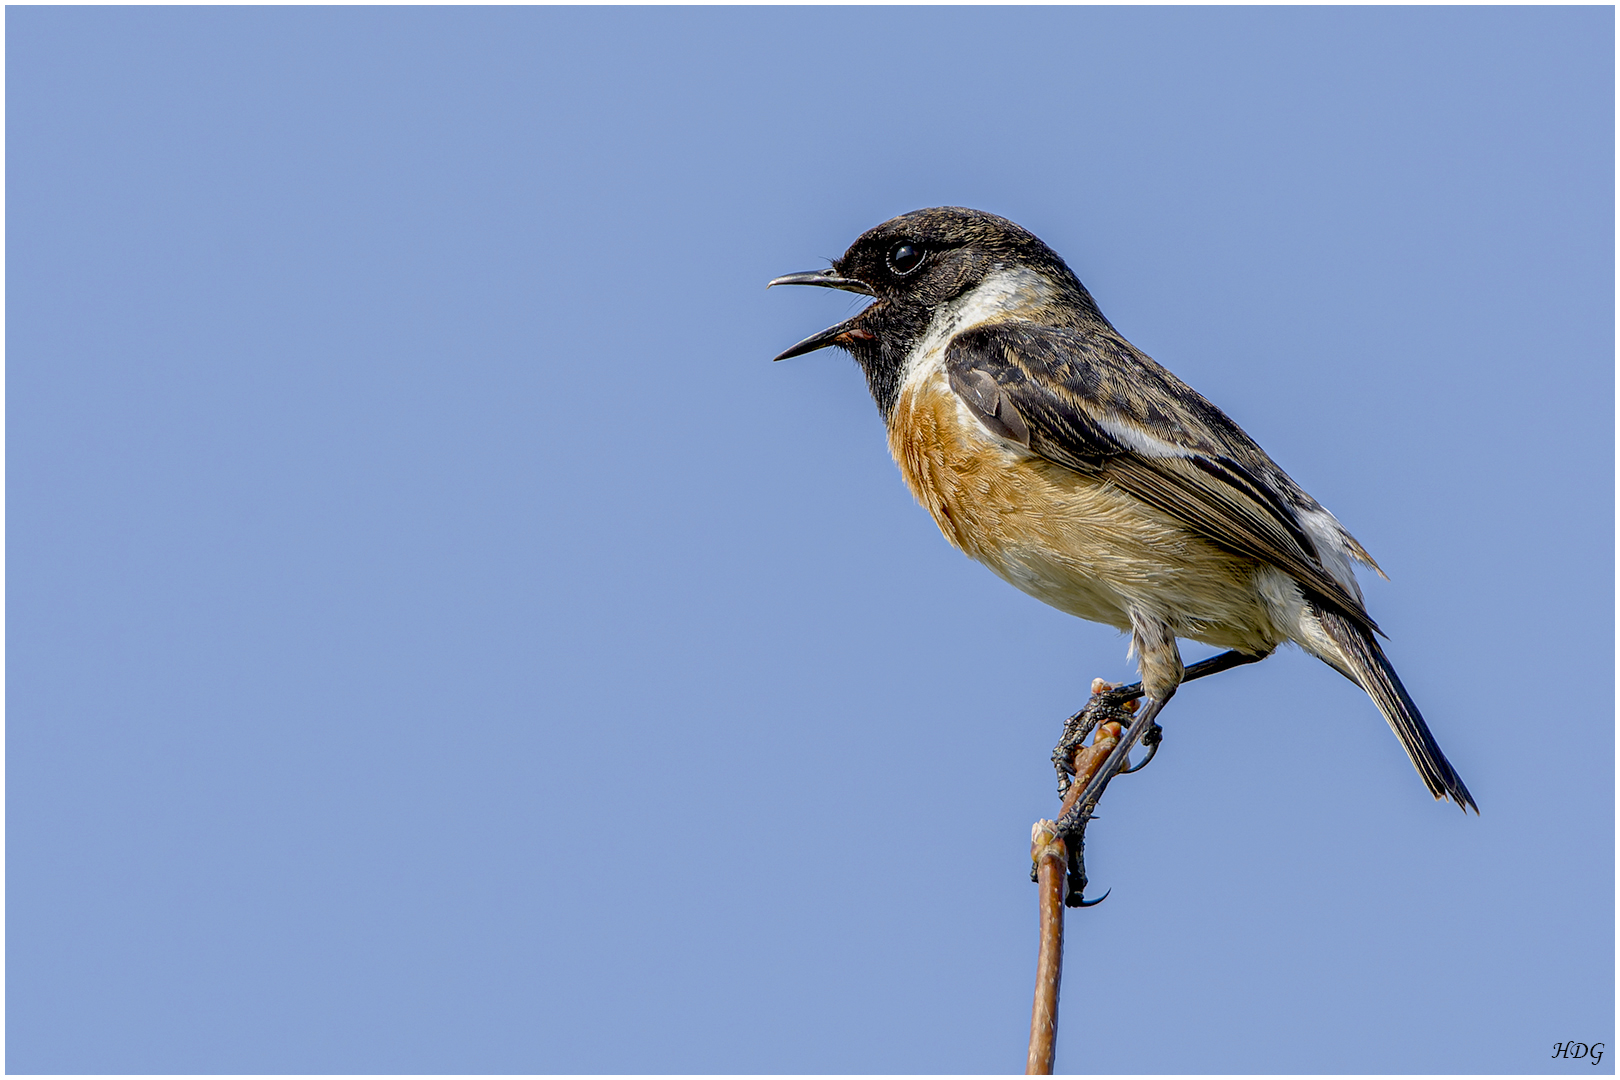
{"x":441,"y":640}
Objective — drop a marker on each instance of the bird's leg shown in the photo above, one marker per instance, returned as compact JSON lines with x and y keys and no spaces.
{"x":1154,"y":643}
{"x":1075,"y":820}
{"x":1162,"y":669}
{"x":1225,"y":661}
{"x":1152,"y":737}
{"x":1113,"y":703}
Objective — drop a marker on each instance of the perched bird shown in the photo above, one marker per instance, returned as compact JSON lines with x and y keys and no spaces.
{"x":1050,"y":449}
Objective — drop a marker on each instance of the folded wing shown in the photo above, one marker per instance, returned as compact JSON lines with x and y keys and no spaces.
{"x":1090,"y":402}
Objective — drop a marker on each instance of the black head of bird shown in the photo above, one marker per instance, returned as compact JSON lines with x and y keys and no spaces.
{"x":919,"y":263}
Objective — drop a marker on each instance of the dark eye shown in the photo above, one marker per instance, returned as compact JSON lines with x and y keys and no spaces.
{"x":905,"y":258}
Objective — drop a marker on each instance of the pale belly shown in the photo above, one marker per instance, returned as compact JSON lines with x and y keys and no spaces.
{"x":1073,"y":541}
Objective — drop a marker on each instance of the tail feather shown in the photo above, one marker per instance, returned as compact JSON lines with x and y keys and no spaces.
{"x":1371,"y":669}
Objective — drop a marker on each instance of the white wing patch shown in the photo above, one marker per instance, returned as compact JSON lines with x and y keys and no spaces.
{"x":1134,"y":437}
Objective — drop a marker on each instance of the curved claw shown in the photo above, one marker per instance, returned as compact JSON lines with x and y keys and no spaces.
{"x":1153,"y":748}
{"x":1092,"y":903}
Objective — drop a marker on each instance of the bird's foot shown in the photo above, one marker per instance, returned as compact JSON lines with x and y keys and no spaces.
{"x":1105,"y":759}
{"x":1074,"y":891}
{"x":1150,"y":739}
{"x":1107,"y":703}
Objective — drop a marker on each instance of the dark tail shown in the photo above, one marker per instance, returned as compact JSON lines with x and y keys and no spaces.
{"x":1371,"y":669}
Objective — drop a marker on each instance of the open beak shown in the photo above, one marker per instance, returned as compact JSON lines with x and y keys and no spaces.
{"x":845,"y":331}
{"x":833,"y":335}
{"x":827,"y":278}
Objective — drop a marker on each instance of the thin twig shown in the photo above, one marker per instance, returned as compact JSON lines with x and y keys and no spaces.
{"x":1051,"y":857}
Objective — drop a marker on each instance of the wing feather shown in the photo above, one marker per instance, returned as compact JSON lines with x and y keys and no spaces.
{"x":1092,"y":403}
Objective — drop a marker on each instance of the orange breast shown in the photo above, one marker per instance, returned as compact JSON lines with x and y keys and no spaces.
{"x":962,"y":477}
{"x":1066,"y":538}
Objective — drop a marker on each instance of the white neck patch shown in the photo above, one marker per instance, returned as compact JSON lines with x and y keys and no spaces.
{"x":1004,"y":294}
